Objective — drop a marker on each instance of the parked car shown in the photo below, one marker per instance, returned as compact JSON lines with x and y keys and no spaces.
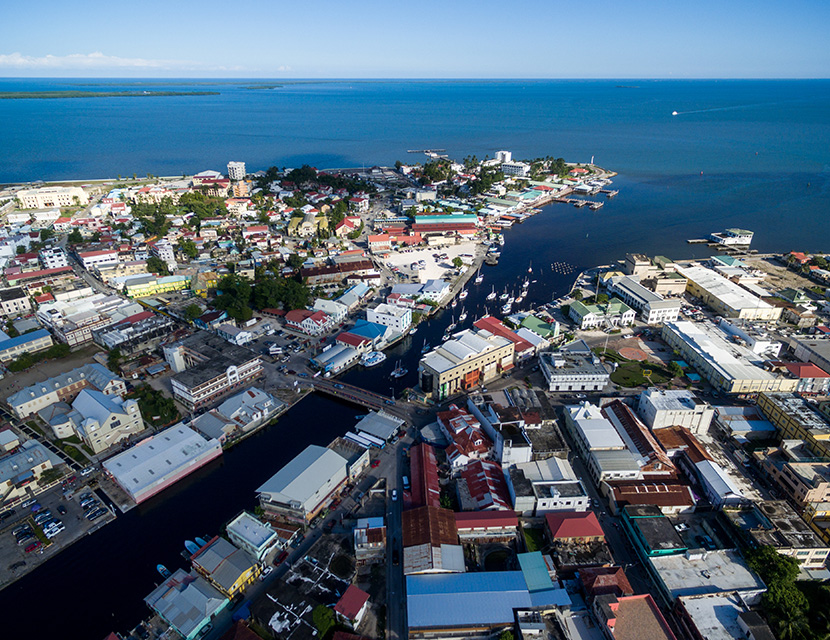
{"x":32,"y":547}
{"x":267,"y":571}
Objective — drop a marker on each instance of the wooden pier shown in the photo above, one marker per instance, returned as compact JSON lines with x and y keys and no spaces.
{"x":609,"y":193}
{"x":578,"y":203}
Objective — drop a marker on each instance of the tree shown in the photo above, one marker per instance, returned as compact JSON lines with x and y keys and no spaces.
{"x":676,"y":369}
{"x":188,"y":248}
{"x":192,"y":311}
{"x":457,"y":262}
{"x":577,"y":294}
{"x":235,"y":297}
{"x":158,"y":266}
{"x":784,"y":600}
{"x":507,"y":634}
{"x":114,"y":359}
{"x":96,"y":237}
{"x":323,"y":618}
{"x":295,"y":261}
{"x":771,"y":565}
{"x":602,"y":298}
{"x":74,"y":237}
{"x":46,"y":234}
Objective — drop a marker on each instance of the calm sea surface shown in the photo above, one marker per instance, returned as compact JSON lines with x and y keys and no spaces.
{"x":750,"y":154}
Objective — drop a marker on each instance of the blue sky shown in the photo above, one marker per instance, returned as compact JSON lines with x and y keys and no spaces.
{"x":422,"y":39}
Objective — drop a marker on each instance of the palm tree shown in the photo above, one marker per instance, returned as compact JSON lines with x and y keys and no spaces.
{"x":793,"y":628}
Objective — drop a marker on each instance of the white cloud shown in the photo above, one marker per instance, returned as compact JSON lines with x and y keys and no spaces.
{"x":98,"y":61}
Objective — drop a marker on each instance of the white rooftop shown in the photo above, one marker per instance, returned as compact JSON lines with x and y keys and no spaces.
{"x":463,"y":346}
{"x":551,"y":470}
{"x":670,"y":399}
{"x":733,"y":361}
{"x":302,"y":477}
{"x":158,"y":457}
{"x":251,"y":529}
{"x":710,"y":572}
{"x":597,"y":431}
{"x":728,"y":292}
{"x":716,"y":615}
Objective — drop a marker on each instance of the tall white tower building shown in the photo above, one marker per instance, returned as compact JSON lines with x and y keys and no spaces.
{"x":236,"y":170}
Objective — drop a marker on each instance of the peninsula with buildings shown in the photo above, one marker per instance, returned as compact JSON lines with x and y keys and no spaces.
{"x":645,"y":456}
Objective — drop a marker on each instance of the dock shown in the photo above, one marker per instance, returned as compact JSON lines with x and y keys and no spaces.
{"x":609,"y":193}
{"x":697,"y":241}
{"x":579,"y":203}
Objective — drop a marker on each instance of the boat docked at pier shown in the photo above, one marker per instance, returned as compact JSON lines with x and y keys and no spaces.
{"x":373,"y":358}
{"x":479,"y":277}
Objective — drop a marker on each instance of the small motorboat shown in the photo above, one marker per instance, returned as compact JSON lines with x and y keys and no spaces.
{"x":463,"y":294}
{"x":454,"y":303}
{"x":164,"y":571}
{"x":200,"y":541}
{"x":425,"y":348}
{"x":413,"y":331}
{"x":191,"y":546}
{"x":506,"y":308}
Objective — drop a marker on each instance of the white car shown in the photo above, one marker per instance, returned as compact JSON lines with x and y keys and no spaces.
{"x":394,"y":494}
{"x":265,"y":573}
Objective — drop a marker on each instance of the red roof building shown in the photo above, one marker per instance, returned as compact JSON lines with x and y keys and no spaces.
{"x":671,"y":497}
{"x":469,"y":442}
{"x":351,"y":340}
{"x":425,"y":490}
{"x":581,"y":526}
{"x":482,"y":487}
{"x":523,"y":348}
{"x":632,"y":618}
{"x":352,"y":605}
{"x":601,"y":581}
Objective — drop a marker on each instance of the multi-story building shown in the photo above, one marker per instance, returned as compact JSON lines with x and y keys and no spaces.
{"x":544,"y":486}
{"x":399,"y":319}
{"x":21,"y":469}
{"x":139,"y":333}
{"x":574,"y":367}
{"x":142,"y":286}
{"x":14,"y":301}
{"x":665,"y":408}
{"x":102,"y":420}
{"x":53,"y":258}
{"x":236,"y":170}
{"x":163,"y":250}
{"x":797,"y":419}
{"x":515,"y":168}
{"x":803,"y":477}
{"x":466,"y":361}
{"x":99,"y":258}
{"x":64,"y":388}
{"x":815,"y":350}
{"x":614,"y":313}
{"x":336,"y":311}
{"x":304,"y":486}
{"x":73,"y":319}
{"x":46,"y":197}
{"x":13,"y":348}
{"x":207,"y":368}
{"x":653,"y":308}
{"x":111,"y":274}
{"x":187,"y":602}
{"x":253,"y":535}
{"x":727,"y":366}
{"x":228,"y":569}
{"x":726,"y":297}
{"x":314,"y":323}
{"x":600,"y":445}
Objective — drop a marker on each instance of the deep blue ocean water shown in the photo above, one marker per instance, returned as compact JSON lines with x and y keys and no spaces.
{"x":754,"y":154}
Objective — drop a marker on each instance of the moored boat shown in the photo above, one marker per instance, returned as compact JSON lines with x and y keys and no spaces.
{"x":372,"y":359}
{"x":164,"y":571}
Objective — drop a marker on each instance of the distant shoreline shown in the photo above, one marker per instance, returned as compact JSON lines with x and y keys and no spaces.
{"x":53,"y":95}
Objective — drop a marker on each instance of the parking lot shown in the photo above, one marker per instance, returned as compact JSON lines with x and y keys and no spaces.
{"x":64,"y":504}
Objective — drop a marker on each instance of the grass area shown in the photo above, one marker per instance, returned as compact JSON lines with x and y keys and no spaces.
{"x":611,"y":355}
{"x":33,"y":425}
{"x":70,"y":440}
{"x":73,"y":453}
{"x":534,"y":539}
{"x":631,"y":374}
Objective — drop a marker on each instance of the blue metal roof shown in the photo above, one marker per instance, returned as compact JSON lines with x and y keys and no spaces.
{"x":24,"y":339}
{"x":535,"y":571}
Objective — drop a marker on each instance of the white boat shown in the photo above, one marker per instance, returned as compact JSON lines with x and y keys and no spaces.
{"x":530,"y":267}
{"x":479,"y":277}
{"x":501,"y":239}
{"x":454,"y":303}
{"x":506,"y":308}
{"x":492,"y":294}
{"x":463,"y":294}
{"x":413,"y":330}
{"x":372,"y":359}
{"x":511,"y":300}
{"x":525,"y":284}
{"x":399,"y":372}
{"x":463,"y":316}
{"x":674,"y":113}
{"x":504,"y":296}
{"x":446,"y":337}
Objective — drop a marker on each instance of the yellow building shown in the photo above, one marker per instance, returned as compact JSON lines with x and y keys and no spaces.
{"x":204,"y":283}
{"x":151,"y":285}
{"x":726,"y":297}
{"x":468,"y":360}
{"x":796,"y":420}
{"x":227,"y":568}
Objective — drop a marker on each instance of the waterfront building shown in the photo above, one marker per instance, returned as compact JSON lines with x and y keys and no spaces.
{"x":614,"y":313}
{"x":251,"y":534}
{"x":726,"y":297}
{"x":304,"y":486}
{"x":160,"y":460}
{"x":574,"y":367}
{"x":207,"y":368}
{"x":653,"y":308}
{"x":504,"y":156}
{"x":187,"y":602}
{"x":64,"y":388}
{"x":380,"y":424}
{"x":337,"y":357}
{"x":665,"y":408}
{"x":227,"y":568}
{"x":47,"y":197}
{"x":481,"y":604}
{"x":20,"y":471}
{"x":399,"y":319}
{"x":13,"y":348}
{"x":544,"y":486}
{"x":13,"y":302}
{"x":525,"y":347}
{"x":732,"y":237}
{"x":236,"y":170}
{"x":53,"y":258}
{"x":464,"y":362}
{"x":728,"y":366}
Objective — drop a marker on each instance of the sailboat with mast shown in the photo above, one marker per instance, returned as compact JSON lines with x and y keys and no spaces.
{"x":399,"y":371}
{"x":492,"y":294}
{"x":479,"y":277}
